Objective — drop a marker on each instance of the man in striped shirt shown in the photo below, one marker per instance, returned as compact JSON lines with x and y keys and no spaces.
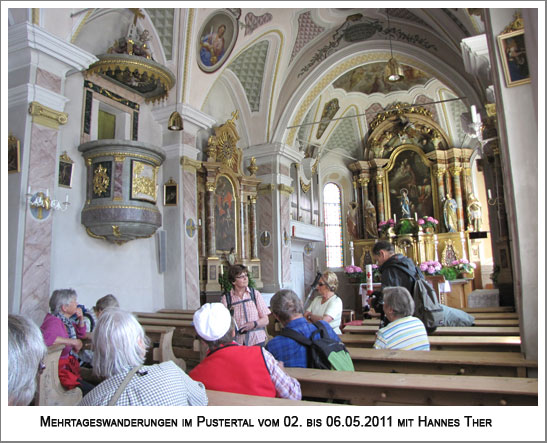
{"x":403,"y":330}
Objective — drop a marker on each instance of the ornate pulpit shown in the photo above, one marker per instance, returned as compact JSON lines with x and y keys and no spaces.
{"x":227,"y":208}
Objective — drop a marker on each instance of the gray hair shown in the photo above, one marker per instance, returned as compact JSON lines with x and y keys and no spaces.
{"x":118,"y":341}
{"x":108,"y":301}
{"x":224,"y":340}
{"x":286,"y":304}
{"x":26,"y":349}
{"x":399,"y":300}
{"x":59,"y":298}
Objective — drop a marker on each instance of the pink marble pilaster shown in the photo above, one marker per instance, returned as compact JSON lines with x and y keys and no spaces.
{"x":286,"y":226}
{"x":37,"y":241}
{"x":48,"y":80}
{"x":189,"y":202}
{"x":265,"y":223}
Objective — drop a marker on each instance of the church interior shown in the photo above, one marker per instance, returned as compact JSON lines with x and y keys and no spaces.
{"x":152,"y":148}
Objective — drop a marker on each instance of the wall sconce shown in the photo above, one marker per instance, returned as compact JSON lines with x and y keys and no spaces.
{"x":393,"y":72}
{"x":175,"y":122}
{"x":493,"y":201}
{"x":41,"y":204}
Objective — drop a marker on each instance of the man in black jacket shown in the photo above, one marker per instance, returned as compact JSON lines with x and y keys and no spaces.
{"x":390,"y":265}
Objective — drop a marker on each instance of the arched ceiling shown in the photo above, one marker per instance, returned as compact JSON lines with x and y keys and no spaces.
{"x":289,"y":66}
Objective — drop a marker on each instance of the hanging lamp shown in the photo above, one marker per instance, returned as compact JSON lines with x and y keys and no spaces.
{"x":393,"y":72}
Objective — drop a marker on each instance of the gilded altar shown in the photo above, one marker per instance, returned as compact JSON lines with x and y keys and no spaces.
{"x":227,"y":207}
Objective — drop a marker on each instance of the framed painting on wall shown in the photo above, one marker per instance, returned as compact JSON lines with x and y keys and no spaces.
{"x":65,"y":171}
{"x":410,"y":185}
{"x":513,"y":58}
{"x":217,"y":38}
{"x":170,"y":193}
{"x":14,"y":154}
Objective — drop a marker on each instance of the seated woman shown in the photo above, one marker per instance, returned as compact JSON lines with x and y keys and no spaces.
{"x":328,"y":306}
{"x":26,"y":353}
{"x":119,"y":344}
{"x":57,"y":328}
{"x":108,"y":301}
{"x":403,"y":330}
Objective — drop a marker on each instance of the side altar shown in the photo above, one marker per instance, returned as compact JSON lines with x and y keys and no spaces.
{"x":227,"y":204}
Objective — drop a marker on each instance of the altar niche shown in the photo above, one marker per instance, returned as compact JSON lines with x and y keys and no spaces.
{"x":227,"y":211}
{"x":410,"y":170}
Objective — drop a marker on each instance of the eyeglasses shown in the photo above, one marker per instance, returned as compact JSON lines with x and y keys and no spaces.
{"x":242,"y":276}
{"x":41,"y":367}
{"x":321,"y":284}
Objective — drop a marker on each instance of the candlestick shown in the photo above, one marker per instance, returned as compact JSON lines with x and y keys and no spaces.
{"x":473,"y":113}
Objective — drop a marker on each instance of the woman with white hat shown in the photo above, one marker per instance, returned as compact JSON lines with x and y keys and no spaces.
{"x":230,"y":367}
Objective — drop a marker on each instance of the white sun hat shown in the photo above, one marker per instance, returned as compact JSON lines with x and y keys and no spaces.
{"x":212,"y":321}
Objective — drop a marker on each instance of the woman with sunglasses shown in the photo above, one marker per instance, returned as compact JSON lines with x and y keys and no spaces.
{"x":328,"y":306}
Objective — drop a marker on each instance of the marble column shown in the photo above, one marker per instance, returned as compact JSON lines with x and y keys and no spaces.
{"x":360,"y":213}
{"x":380,"y":198}
{"x":242,"y":226}
{"x":440,"y":188}
{"x":455,"y":172}
{"x":252,"y":227}
{"x":448,"y":184}
{"x":210,"y":221}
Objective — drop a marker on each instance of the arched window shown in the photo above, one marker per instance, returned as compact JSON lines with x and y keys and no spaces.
{"x":332,"y":208}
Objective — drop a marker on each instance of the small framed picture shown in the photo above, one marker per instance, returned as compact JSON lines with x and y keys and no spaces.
{"x":170,"y":193}
{"x":513,"y":58}
{"x":14,"y":154}
{"x":65,"y":171}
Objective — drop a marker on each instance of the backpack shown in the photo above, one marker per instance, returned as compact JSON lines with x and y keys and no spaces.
{"x":324,"y":352}
{"x":426,"y":305}
{"x":228,"y":296}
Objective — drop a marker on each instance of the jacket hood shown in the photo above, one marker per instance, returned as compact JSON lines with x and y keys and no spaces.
{"x":400,"y":260}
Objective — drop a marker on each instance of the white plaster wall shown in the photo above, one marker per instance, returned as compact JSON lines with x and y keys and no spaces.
{"x":91,"y":266}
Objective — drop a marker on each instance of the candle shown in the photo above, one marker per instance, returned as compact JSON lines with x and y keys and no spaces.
{"x":416,"y":216}
{"x":66,"y":198}
{"x":474,"y":113}
{"x":489,"y":194}
{"x":351,"y":244}
{"x":47,"y":192}
{"x":29,"y":190}
{"x":368,"y":270}
{"x":395,"y":218}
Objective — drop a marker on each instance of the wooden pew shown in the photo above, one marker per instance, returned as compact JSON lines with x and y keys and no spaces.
{"x":219,"y":398}
{"x":178,"y":311}
{"x":183,"y":338}
{"x":165,"y":315}
{"x":372,"y":388}
{"x":446,"y":330}
{"x":50,"y":392}
{"x":471,"y":343}
{"x":164,"y":352}
{"x":478,"y":323}
{"x":494,"y":315}
{"x":490,"y":309}
{"x":493,"y":364}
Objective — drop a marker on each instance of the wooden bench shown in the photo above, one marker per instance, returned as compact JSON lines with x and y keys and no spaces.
{"x":478,"y":323}
{"x":163,"y":335}
{"x":471,"y":343}
{"x":446,"y":330}
{"x":493,"y":364}
{"x":219,"y":398}
{"x":164,"y":315}
{"x":183,"y":338}
{"x":490,"y":309}
{"x":178,"y":311}
{"x":372,"y":388}
{"x":494,"y":315}
{"x":50,"y":392}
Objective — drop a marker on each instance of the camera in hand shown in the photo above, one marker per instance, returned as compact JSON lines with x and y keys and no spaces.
{"x":377,"y":303}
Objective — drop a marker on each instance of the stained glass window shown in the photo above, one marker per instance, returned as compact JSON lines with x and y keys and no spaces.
{"x":332,"y":207}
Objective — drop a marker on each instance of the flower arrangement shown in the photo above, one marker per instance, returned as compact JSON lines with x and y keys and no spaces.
{"x":428,"y":223}
{"x":406,"y":226}
{"x":358,"y":275}
{"x":384,"y":226}
{"x":431,"y":267}
{"x":464,"y":266}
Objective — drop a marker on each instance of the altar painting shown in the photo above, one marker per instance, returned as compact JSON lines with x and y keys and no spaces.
{"x":225,"y":220}
{"x":410,"y":184}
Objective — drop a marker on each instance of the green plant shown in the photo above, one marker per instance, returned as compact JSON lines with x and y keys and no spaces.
{"x":405,"y":227}
{"x":450,"y":273}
